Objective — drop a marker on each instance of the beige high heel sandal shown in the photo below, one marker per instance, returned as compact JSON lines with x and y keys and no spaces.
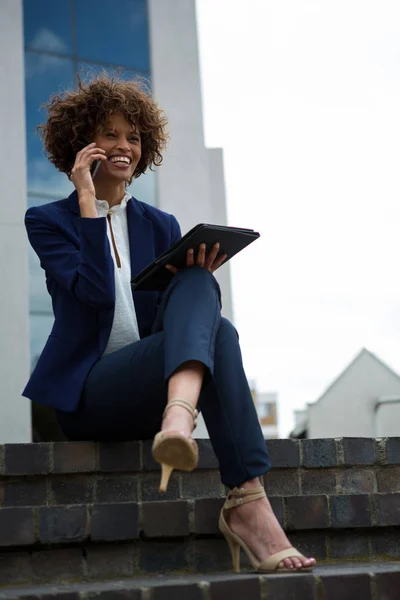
{"x":237,"y":497}
{"x":173,"y":450}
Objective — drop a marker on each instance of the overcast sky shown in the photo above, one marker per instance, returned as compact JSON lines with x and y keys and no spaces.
{"x":304,"y":97}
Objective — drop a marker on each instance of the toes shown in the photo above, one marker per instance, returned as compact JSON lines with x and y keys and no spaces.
{"x":297,"y":563}
{"x":308,"y":562}
{"x":287,"y":563}
{"x":304,"y":563}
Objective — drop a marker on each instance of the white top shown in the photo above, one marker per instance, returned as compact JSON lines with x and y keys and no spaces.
{"x":125,"y":328}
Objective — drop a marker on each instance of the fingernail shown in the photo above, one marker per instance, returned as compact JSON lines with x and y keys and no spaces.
{"x":191,"y":250}
{"x":203,"y":245}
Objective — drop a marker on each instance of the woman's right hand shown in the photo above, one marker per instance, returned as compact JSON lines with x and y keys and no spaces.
{"x":210,"y":261}
{"x":80,"y":174}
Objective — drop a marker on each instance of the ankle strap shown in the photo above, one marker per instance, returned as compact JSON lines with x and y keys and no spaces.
{"x":185,"y":405}
{"x":239,"y":496}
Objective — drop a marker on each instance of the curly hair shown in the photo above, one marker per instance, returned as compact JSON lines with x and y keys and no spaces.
{"x":75,"y":116}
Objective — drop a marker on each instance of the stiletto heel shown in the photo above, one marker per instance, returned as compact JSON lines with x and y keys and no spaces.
{"x":166,"y":471}
{"x":235,"y":552}
{"x":237,"y":497}
{"x":173,"y":450}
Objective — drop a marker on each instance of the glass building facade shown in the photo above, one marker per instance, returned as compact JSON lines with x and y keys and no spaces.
{"x":62,"y":39}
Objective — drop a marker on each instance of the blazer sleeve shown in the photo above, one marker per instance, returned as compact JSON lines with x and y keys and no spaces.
{"x":175,"y":230}
{"x":88,"y":272}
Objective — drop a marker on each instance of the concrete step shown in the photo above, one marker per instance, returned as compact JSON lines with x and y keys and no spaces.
{"x":367,"y":581}
{"x":73,"y":473}
{"x":45,"y":544}
{"x":124,"y":521}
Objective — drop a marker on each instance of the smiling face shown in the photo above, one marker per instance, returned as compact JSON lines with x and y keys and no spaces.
{"x":122,"y":144}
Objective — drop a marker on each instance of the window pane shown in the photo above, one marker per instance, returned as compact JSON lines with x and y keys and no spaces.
{"x":117,"y":32}
{"x":44,"y":75}
{"x":145,"y":188}
{"x":264,"y":410}
{"x":40,"y":328}
{"x":47,"y":25}
{"x":88,"y":70}
{"x":34,"y":200}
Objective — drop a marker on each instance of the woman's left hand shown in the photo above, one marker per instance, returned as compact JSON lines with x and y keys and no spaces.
{"x":206,"y":261}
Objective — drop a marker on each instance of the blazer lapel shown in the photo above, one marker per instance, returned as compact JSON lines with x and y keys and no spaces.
{"x":142,"y":253}
{"x":140,"y":232}
{"x":140,"y":237}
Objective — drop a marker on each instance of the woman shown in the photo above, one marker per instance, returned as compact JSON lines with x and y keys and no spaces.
{"x":122,"y":366}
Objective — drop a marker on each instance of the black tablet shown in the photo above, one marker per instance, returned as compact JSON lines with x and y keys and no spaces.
{"x":155,"y":277}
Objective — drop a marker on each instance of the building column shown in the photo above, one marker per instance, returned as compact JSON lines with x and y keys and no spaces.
{"x":191,"y":178}
{"x":218,"y":202}
{"x":183,"y":186}
{"x":15,"y":411}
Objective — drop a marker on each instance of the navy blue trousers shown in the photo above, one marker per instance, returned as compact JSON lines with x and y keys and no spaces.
{"x":126,"y":391}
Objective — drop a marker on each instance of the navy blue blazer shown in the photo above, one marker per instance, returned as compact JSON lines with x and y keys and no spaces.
{"x":75,"y":254}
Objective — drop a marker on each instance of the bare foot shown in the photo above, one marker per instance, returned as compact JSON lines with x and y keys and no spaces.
{"x":258,"y":527}
{"x":178,"y":419}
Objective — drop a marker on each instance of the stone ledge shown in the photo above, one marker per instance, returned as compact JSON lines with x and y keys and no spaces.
{"x":370,"y":581}
{"x":99,"y":488}
{"x":88,"y":457}
{"x":68,"y":524}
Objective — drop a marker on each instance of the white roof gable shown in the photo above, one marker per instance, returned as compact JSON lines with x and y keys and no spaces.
{"x":369,"y":361}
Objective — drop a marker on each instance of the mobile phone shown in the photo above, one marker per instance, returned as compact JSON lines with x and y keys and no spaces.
{"x":94,"y":168}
